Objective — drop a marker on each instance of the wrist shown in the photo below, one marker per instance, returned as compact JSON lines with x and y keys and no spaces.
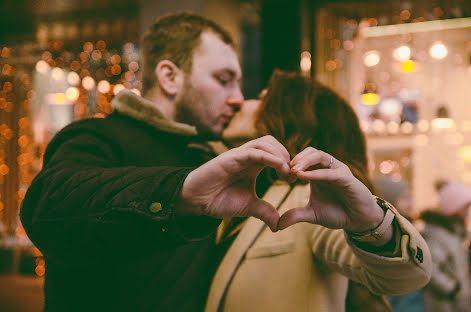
{"x":186,"y":204}
{"x":380,"y":234}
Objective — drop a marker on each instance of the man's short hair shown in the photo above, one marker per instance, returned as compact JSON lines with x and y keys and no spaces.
{"x":174,"y":37}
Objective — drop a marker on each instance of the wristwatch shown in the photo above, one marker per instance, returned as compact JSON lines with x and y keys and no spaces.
{"x":378,"y":232}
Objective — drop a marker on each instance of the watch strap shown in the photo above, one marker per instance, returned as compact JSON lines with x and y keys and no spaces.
{"x":378,"y":232}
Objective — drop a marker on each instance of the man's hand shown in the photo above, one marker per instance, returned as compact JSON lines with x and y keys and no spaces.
{"x":338,"y":200}
{"x":225,"y":186}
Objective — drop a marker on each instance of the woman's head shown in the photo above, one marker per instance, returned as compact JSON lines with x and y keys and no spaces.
{"x":300,"y":112}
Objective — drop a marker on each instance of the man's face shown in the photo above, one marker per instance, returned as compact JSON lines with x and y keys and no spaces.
{"x":211,"y":93}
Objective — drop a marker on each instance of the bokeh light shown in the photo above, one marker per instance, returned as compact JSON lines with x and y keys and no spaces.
{"x":73,"y":78}
{"x":118,"y":88}
{"x":408,"y":66}
{"x":371,"y":58}
{"x":88,"y":83}
{"x":402,"y":53}
{"x":438,"y":51}
{"x":42,"y":67}
{"x":72,"y":93}
{"x":103,"y":86}
{"x":370,"y":98}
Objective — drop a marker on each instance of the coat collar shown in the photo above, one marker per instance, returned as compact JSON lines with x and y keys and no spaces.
{"x":235,"y":255}
{"x":128,"y":103}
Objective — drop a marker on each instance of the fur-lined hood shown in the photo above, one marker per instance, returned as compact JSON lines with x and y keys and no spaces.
{"x":128,"y":103}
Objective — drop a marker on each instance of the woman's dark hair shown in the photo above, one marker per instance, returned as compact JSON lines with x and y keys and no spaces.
{"x":300,"y":112}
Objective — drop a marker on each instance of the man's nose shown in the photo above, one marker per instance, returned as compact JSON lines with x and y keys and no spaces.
{"x":236,"y":99}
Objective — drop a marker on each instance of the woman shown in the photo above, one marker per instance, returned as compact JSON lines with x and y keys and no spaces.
{"x":305,"y":266}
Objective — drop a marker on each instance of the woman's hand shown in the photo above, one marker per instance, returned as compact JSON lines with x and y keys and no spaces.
{"x":225,"y":186}
{"x":338,"y":200}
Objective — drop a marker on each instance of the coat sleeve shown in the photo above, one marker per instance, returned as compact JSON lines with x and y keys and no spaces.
{"x":84,"y":207}
{"x":404,"y":272}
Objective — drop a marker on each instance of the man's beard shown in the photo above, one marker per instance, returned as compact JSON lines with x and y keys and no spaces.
{"x":185,"y":114}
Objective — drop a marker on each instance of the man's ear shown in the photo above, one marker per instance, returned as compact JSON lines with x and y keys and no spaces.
{"x":169,"y":77}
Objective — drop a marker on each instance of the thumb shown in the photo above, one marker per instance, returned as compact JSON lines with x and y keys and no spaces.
{"x":296,"y":215}
{"x":262,"y":210}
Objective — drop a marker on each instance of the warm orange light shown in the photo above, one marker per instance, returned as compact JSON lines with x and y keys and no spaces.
{"x":4,"y":170}
{"x":133,"y":66}
{"x":115,"y":59}
{"x":99,"y":115}
{"x":88,"y":47}
{"x":5,"y":52}
{"x":331,"y":65}
{"x":72,"y":93}
{"x":7,"y":133}
{"x":40,"y":270}
{"x":23,"y":141}
{"x":116,"y":69}
{"x":7,"y":86}
{"x":100,"y":45}
{"x":348,"y":45}
{"x":23,"y":122}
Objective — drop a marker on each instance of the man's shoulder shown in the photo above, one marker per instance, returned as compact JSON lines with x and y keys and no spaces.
{"x":102,"y":126}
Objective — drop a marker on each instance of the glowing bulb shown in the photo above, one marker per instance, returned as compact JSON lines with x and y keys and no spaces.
{"x":408,"y":66}
{"x":42,"y":67}
{"x":88,"y":83}
{"x":370,"y":98}
{"x":117,"y":88}
{"x":390,"y":107}
{"x":407,"y":127}
{"x":371,"y":58}
{"x":402,"y":53}
{"x":438,"y":51}
{"x":379,"y":126}
{"x":305,"y":62}
{"x":443,"y":123}
{"x":59,"y":98}
{"x":72,"y":93}
{"x":73,"y":78}
{"x":104,"y":86}
{"x":57,"y":74}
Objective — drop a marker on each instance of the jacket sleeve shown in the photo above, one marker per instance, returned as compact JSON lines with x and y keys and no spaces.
{"x":404,"y":272}
{"x":83,"y":207}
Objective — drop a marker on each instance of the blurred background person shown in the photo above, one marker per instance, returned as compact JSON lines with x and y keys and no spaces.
{"x":398,"y":193}
{"x":445,"y":233}
{"x":307,"y":266}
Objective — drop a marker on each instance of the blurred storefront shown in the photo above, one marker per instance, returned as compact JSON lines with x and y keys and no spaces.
{"x":405,"y":67}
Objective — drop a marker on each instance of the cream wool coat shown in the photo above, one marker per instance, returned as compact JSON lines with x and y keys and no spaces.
{"x":306,"y":267}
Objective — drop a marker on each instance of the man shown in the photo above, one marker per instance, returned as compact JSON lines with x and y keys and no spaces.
{"x":118,"y":230}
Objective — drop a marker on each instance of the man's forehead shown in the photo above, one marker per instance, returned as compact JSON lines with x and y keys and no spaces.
{"x":217,"y":55}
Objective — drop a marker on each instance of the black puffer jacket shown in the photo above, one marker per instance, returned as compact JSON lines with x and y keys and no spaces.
{"x":102,"y":212}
